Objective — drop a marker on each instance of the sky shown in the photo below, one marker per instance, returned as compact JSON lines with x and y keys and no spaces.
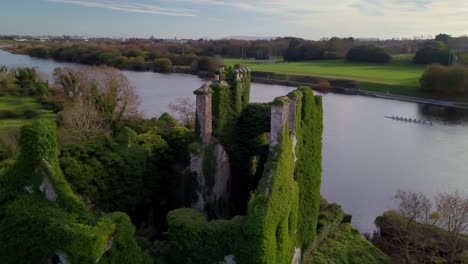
{"x":310,"y":19}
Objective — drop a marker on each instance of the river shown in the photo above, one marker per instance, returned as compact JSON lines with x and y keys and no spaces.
{"x":366,"y":158}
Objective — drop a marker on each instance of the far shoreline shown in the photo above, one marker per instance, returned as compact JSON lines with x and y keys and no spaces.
{"x":351,"y":87}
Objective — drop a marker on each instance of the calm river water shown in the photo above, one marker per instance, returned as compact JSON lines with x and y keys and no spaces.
{"x":366,"y":158}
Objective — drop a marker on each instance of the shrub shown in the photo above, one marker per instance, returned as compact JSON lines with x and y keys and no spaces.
{"x":324,"y":85}
{"x":368,"y":54}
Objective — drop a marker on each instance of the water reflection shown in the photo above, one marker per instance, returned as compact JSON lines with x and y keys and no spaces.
{"x":445,"y":115}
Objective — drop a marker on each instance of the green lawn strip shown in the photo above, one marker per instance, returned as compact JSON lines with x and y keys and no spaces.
{"x":18,"y":105}
{"x":347,"y":246}
{"x":399,"y":77}
{"x":396,"y":73}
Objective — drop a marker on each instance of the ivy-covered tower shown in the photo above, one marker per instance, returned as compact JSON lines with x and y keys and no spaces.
{"x":273,"y":152}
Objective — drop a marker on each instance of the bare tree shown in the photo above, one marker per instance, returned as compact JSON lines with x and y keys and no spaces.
{"x":414,"y":207}
{"x":184,"y":109}
{"x":83,"y":117}
{"x":106,"y":88}
{"x":409,"y":233}
{"x":452,"y":213}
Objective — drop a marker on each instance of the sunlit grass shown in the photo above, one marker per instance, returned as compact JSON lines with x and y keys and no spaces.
{"x":398,"y":72}
{"x":19,"y":105}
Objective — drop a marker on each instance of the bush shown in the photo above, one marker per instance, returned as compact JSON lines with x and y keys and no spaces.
{"x":368,"y":54}
{"x":324,"y":85}
{"x":438,"y":78}
{"x":30,"y":113}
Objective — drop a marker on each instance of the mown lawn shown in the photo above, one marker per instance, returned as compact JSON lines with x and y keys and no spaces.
{"x":396,"y":73}
{"x":16,"y":106}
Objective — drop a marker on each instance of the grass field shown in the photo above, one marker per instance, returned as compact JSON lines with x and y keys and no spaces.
{"x":397,"y":73}
{"x":18,"y":105}
{"x":347,"y":246}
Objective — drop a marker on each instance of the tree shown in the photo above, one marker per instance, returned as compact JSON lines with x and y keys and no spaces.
{"x":434,"y":52}
{"x":210,"y":64}
{"x":448,"y":80}
{"x":452,"y":215}
{"x":414,"y":207}
{"x":443,"y":37}
{"x":106,"y":88}
{"x":83,"y":116}
{"x":411,"y":232}
{"x":163,"y":65}
{"x":184,"y":109}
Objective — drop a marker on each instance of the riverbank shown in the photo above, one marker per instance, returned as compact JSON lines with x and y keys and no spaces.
{"x":355,"y":90}
{"x":409,"y":93}
{"x":398,"y":80}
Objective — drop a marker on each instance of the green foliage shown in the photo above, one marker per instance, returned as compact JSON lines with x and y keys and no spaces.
{"x":126,"y":137}
{"x":347,"y":246}
{"x":285,"y":200}
{"x":448,"y":80}
{"x":194,"y":240}
{"x":112,"y":174}
{"x":251,"y":130}
{"x":368,"y":54}
{"x":124,"y":248}
{"x":222,"y":109}
{"x":443,"y":38}
{"x":272,"y":222}
{"x":22,"y":82}
{"x":32,"y":229}
{"x":309,"y":170}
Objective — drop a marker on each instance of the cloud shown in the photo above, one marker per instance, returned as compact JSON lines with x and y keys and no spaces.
{"x":129,"y":7}
{"x":283,"y":8}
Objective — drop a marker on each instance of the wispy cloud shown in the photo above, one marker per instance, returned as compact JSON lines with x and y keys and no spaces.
{"x":129,"y":7}
{"x":282,"y":8}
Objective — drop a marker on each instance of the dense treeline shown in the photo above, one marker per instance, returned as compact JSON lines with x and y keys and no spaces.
{"x":123,"y":56}
{"x":302,"y":50}
{"x":368,"y":54}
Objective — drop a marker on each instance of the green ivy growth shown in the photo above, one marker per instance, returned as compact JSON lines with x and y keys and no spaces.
{"x":283,"y":211}
{"x":33,"y":229}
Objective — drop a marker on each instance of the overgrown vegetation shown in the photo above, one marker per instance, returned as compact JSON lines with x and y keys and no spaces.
{"x":35,"y":229}
{"x":271,"y":229}
{"x":347,"y":246}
